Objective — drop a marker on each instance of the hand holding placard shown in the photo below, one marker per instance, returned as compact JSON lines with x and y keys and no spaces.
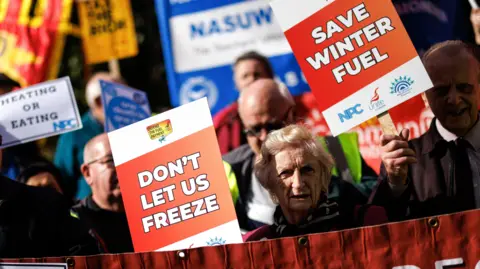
{"x":396,"y":156}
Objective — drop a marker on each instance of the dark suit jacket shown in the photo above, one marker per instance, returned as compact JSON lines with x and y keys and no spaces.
{"x":431,"y":182}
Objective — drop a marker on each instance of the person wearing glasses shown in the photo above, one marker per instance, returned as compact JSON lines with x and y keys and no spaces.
{"x":262,"y":108}
{"x":103,"y":211}
{"x":266,"y":106}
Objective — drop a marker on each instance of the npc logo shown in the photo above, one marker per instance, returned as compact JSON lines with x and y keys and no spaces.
{"x":217,"y":241}
{"x":64,"y":125}
{"x":401,"y":86}
{"x":350,"y":112}
{"x":198,"y":87}
{"x":376,"y":103}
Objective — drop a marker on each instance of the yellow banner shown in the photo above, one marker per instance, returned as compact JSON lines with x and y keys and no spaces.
{"x":108,"y":30}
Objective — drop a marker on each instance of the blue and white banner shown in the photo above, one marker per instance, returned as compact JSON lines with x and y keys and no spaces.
{"x":202,"y":38}
{"x":123,"y":105}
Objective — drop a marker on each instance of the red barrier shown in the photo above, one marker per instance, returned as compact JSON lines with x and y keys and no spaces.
{"x":424,"y":243}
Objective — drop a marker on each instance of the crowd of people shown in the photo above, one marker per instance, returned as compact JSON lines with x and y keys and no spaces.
{"x":284,"y":181}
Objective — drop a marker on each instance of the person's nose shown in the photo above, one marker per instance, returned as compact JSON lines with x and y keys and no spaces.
{"x":453,"y":97}
{"x":297,"y":181}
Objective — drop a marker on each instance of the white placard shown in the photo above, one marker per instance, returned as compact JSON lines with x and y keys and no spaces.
{"x":42,"y":110}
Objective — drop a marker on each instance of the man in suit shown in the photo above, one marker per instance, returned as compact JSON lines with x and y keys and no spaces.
{"x":439,"y":172}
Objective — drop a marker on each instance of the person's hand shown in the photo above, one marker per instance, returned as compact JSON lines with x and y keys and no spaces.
{"x":475,"y":19}
{"x":396,"y":156}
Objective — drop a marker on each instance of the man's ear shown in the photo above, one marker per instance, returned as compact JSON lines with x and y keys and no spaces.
{"x":86,"y":174}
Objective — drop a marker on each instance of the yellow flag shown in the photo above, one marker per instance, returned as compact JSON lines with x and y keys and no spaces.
{"x":108,"y":30}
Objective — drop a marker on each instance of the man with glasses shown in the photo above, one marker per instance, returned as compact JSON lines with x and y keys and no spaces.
{"x":263,"y":108}
{"x":103,"y":210}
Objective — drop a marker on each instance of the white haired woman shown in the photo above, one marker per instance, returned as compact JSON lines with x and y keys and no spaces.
{"x":295,"y":169}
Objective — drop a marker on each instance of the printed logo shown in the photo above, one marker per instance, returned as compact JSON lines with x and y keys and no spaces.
{"x":160,"y":130}
{"x":401,"y":86}
{"x":64,"y":125}
{"x":216,"y":241}
{"x":350,"y":112}
{"x":376,"y":103}
{"x":196,"y":88}
{"x":139,"y":98}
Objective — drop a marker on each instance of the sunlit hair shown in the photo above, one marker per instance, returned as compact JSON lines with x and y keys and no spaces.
{"x":253,"y":55}
{"x":292,"y":136}
{"x":456,"y":45}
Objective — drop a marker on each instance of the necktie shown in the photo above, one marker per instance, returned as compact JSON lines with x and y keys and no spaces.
{"x":463,"y":182}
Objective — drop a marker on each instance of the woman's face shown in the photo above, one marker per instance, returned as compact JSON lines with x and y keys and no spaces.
{"x":44,"y":179}
{"x":299,"y":183}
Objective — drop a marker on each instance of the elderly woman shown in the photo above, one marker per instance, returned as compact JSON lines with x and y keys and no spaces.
{"x":295,"y":169}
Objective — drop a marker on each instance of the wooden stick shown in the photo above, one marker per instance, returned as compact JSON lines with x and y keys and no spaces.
{"x":114,"y":68}
{"x":387,"y":124}
{"x":473,"y":4}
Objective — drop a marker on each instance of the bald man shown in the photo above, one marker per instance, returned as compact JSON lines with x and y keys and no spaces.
{"x":102,"y":211}
{"x":262,"y":107}
{"x":439,"y":172}
{"x":69,"y":153}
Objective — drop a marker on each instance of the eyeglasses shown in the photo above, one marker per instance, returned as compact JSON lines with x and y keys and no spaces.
{"x":268,"y":127}
{"x":105,"y":160}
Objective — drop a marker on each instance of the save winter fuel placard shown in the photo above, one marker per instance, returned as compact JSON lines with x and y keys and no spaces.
{"x":174,"y":186}
{"x":356,"y":56}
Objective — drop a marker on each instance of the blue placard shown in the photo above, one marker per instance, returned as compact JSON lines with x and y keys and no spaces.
{"x":123,"y":105}
{"x":202,"y":38}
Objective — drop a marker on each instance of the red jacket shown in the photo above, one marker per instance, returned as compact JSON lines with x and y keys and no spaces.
{"x":229,"y":128}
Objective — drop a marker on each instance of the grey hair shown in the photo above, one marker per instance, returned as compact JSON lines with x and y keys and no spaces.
{"x":296,"y":136}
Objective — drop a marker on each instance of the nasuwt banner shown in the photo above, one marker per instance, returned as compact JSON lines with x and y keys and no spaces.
{"x":31,"y":38}
{"x":356,"y":55}
{"x":108,"y":30}
{"x":202,"y":39}
{"x":449,"y":241}
{"x":42,"y":110}
{"x":174,"y":187}
{"x":123,"y":105}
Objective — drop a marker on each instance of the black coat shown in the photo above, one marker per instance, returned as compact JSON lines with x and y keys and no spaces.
{"x":110,"y":228}
{"x":36,"y":222}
